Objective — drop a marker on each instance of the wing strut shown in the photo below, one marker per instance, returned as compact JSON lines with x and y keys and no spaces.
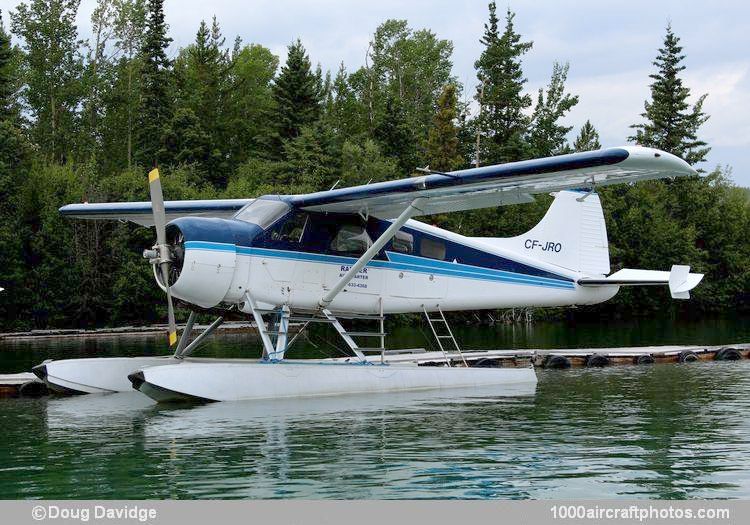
{"x":411,"y":210}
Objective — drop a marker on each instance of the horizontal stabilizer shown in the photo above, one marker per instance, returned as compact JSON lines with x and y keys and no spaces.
{"x":679,"y":280}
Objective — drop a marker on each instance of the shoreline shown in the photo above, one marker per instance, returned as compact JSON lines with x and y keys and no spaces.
{"x":120,"y":331}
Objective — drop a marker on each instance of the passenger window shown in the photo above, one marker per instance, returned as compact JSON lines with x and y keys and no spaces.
{"x":432,"y":249}
{"x":403,"y":242}
{"x":351,"y":238}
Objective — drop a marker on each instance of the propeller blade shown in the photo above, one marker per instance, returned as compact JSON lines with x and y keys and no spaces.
{"x":170,"y":306}
{"x":160,"y":223}
{"x":157,"y":206}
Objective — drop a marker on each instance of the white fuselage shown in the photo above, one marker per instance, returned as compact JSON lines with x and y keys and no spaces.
{"x":215,"y":273}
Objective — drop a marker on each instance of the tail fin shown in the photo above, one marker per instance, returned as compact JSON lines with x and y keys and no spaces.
{"x":572,"y":234}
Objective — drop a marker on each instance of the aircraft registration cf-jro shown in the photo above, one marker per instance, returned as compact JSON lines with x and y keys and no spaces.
{"x":357,"y":253}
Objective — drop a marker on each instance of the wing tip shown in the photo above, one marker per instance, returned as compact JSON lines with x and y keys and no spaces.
{"x":672,"y":165}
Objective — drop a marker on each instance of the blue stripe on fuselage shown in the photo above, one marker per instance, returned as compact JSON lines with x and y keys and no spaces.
{"x":396,"y":262}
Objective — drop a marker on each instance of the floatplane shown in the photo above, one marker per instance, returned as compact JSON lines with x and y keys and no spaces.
{"x":358,"y":253}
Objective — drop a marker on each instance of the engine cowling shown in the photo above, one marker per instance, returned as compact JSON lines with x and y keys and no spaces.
{"x":204,"y":257}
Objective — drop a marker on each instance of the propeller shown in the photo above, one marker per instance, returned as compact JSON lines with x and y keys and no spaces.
{"x":163,"y":256}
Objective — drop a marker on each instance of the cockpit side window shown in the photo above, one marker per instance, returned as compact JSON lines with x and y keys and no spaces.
{"x":263,"y":212}
{"x":292,"y":230}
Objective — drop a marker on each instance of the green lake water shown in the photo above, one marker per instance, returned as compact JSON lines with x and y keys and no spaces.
{"x":655,"y":431}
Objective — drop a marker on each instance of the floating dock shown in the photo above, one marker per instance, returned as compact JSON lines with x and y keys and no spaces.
{"x":24,"y":384}
{"x":28,"y":385}
{"x":570,"y":357}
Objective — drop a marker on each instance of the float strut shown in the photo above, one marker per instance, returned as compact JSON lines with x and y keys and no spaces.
{"x":198,"y":340}
{"x":185,"y":334}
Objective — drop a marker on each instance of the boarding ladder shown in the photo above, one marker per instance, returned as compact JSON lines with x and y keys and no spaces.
{"x":443,"y":334}
{"x":349,"y":336}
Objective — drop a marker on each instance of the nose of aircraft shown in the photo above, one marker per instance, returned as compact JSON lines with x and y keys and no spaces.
{"x":204,"y":257}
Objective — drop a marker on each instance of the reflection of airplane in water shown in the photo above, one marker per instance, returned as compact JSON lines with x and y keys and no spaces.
{"x":95,"y":411}
{"x":220,"y":419}
{"x":226,"y":419}
{"x":357,"y":253}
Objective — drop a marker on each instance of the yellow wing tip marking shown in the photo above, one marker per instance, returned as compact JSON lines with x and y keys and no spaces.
{"x":153,"y":175}
{"x":172,"y":338}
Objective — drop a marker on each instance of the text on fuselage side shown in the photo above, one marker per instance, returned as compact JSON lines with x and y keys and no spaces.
{"x":358,"y":281}
{"x":548,"y":246}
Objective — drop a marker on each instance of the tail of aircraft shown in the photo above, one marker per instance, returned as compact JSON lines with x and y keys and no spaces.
{"x":572,"y":234}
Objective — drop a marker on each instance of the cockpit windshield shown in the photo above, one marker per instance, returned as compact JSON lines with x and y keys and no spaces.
{"x":263,"y":212}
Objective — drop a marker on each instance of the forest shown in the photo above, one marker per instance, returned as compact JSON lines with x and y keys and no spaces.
{"x":85,"y":120}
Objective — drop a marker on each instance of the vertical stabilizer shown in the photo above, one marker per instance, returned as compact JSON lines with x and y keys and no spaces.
{"x":572,"y":234}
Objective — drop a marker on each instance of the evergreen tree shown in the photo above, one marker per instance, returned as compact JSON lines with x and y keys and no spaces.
{"x":156,"y":103}
{"x":14,"y":152}
{"x":13,"y":144}
{"x":345,"y":113}
{"x":8,"y":76}
{"x":309,"y":160}
{"x":396,"y":136}
{"x":185,"y":139}
{"x":671,"y":123}
{"x":297,"y":95}
{"x":442,"y":141}
{"x":587,"y":139}
{"x":52,"y":71}
{"x":202,"y":74}
{"x":547,"y":136}
{"x":501,"y":123}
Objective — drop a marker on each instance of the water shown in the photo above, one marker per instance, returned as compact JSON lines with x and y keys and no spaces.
{"x":659,"y":431}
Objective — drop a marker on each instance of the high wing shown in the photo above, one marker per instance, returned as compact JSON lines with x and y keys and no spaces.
{"x":140,"y":212}
{"x":484,"y":187}
{"x":499,"y":185}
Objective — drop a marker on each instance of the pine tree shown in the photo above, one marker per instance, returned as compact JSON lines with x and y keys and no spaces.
{"x":442,"y":140}
{"x":345,"y":113}
{"x":587,"y":139}
{"x":13,"y":145}
{"x":501,"y":123}
{"x":14,"y":152}
{"x":297,"y":95}
{"x":671,"y":124}
{"x":396,"y":137}
{"x":547,"y":136}
{"x":185,"y":139}
{"x":202,"y":78}
{"x":156,"y":104}
{"x":8,"y":80}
